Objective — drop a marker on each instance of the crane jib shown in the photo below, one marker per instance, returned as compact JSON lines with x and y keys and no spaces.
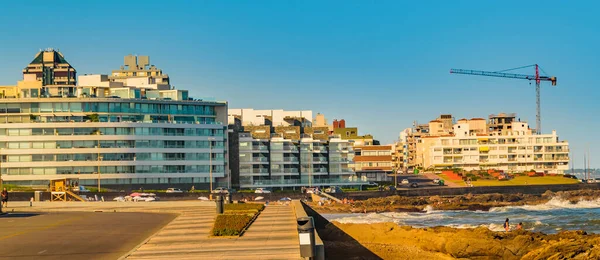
{"x":500,"y":74}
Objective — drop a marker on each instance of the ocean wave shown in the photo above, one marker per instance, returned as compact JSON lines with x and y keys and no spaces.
{"x":492,"y":226}
{"x":396,"y":217}
{"x":553,"y":204}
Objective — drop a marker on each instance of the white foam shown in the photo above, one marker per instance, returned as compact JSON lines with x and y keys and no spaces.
{"x":396,"y":217}
{"x":552,"y":204}
{"x":429,"y":209}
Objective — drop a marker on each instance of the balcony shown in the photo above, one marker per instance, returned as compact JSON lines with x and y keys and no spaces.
{"x":320,"y":160}
{"x":260,"y":159}
{"x":262,"y":170}
{"x":290,"y":159}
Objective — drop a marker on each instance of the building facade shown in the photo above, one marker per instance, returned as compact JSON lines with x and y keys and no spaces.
{"x":514,"y":150}
{"x":374,"y":162}
{"x":287,"y":152}
{"x":112,"y":133}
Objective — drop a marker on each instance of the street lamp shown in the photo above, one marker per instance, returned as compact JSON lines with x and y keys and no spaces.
{"x":210,"y":140}
{"x":99,"y":159}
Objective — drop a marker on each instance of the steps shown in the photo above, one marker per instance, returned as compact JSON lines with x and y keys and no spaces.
{"x":75,"y":196}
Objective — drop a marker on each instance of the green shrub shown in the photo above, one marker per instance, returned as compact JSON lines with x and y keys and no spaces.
{"x":244,"y":206}
{"x":230,"y":225}
{"x":12,"y":187}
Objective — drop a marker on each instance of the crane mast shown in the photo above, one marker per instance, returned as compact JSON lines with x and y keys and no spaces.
{"x":537,"y":77}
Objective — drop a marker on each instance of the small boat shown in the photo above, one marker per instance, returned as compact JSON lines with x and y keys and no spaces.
{"x":259,"y":198}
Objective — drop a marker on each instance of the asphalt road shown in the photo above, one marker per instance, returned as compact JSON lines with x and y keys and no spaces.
{"x":79,"y":235}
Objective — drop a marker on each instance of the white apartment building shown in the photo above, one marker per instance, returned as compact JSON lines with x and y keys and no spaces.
{"x":516,"y":150}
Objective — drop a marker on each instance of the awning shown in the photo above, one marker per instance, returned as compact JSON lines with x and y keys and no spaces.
{"x":483,"y":139}
{"x":484,"y":148}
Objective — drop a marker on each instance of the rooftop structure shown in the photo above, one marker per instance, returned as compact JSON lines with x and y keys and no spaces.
{"x":137,"y":71}
{"x":279,"y":117}
{"x":51,"y":68}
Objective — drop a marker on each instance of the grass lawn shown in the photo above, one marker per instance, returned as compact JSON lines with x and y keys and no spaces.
{"x":446,"y":179}
{"x":525,"y":180}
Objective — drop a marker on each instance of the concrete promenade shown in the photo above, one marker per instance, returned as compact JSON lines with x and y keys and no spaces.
{"x":272,"y":236}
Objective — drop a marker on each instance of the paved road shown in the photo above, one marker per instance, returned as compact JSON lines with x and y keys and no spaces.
{"x":77,"y":235}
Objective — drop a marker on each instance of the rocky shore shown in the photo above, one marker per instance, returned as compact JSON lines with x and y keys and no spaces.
{"x":462,"y":202}
{"x":390,"y":241}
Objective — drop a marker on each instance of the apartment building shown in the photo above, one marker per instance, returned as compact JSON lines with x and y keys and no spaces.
{"x":374,"y":162}
{"x":281,"y":149}
{"x":109,"y":132}
{"x":514,"y":149}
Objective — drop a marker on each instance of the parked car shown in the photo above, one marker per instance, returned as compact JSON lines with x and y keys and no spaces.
{"x":414,"y":185}
{"x":220,"y":190}
{"x":174,"y":190}
{"x":405,"y":181}
{"x":80,"y":189}
{"x":143,"y":197}
{"x":312,"y":190}
{"x":390,"y":188}
{"x":261,"y":190}
{"x":333,"y":189}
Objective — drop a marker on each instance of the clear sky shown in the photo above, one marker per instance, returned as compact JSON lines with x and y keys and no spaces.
{"x":378,"y":64}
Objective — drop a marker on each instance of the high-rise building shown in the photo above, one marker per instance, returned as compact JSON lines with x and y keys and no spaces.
{"x":119,"y":134}
{"x":276,"y":148}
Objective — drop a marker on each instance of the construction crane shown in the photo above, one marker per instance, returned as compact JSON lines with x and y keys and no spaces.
{"x":501,"y":74}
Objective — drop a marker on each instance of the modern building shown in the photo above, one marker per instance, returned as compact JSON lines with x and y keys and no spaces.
{"x":374,"y":162}
{"x":515,"y":149}
{"x":280,"y":149}
{"x":125,"y":136}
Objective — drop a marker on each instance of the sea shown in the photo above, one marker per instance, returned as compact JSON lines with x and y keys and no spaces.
{"x":552,"y":217}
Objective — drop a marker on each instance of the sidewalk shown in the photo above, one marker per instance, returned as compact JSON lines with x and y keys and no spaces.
{"x":272,"y":236}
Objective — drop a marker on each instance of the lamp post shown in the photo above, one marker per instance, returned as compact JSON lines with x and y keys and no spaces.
{"x":99,"y":160}
{"x":210,"y":140}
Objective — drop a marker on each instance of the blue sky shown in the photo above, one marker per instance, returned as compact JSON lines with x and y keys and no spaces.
{"x":378,"y":64}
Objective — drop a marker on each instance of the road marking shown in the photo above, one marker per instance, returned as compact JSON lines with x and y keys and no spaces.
{"x":41,"y":252}
{"x":41,"y":228}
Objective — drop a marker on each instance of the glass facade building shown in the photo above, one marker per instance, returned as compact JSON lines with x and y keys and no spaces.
{"x":122,"y":141}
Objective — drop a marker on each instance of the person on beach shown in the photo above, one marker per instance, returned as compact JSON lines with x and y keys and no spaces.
{"x":520,"y":226}
{"x":4,"y":195}
{"x":506,"y":225}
